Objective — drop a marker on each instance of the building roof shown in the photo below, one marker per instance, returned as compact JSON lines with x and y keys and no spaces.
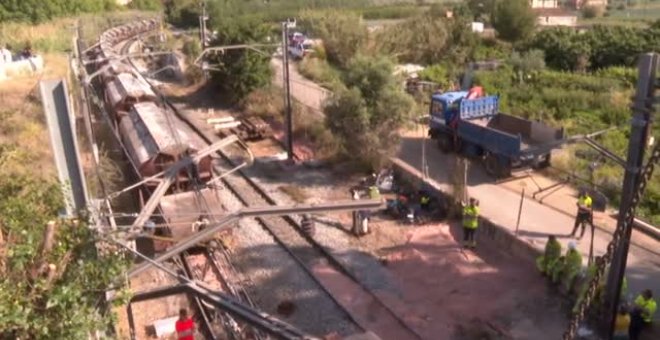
{"x":554,"y":12}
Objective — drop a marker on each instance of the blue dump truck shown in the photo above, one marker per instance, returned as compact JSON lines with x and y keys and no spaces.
{"x":469,"y":123}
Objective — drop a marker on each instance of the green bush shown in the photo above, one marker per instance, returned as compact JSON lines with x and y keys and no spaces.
{"x":343,"y":33}
{"x":146,"y":5}
{"x":599,"y":47}
{"x":428,"y":39}
{"x":590,"y":12}
{"x":443,"y":75}
{"x":366,"y":115}
{"x":36,"y":11}
{"x":240,"y":71}
{"x":514,"y":20}
{"x":320,"y":72}
{"x":49,"y":293}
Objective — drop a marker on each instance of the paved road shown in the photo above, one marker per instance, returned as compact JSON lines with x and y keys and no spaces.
{"x":499,"y":203}
{"x":303,"y":90}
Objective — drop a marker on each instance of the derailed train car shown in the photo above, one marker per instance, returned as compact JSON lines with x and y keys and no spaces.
{"x":152,"y":143}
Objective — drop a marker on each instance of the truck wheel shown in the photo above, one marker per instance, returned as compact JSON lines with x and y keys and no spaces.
{"x":544,"y":164}
{"x":445,"y":143}
{"x":495,"y":168}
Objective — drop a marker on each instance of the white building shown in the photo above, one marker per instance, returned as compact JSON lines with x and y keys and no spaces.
{"x":544,"y":4}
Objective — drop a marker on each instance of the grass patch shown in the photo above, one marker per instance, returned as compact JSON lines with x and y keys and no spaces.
{"x":320,"y":72}
{"x":296,"y":193}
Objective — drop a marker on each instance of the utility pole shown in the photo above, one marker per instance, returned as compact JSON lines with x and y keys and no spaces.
{"x":640,"y":126}
{"x":202,"y":25}
{"x":287,"y":90}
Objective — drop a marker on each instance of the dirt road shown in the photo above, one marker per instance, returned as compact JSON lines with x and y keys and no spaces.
{"x":303,"y":90}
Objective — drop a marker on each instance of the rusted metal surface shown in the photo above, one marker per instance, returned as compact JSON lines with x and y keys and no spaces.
{"x":126,"y":90}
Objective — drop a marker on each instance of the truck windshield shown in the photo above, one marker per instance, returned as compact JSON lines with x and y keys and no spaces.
{"x":437,"y":107}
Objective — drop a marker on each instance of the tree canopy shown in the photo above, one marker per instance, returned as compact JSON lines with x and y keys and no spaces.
{"x":599,"y":47}
{"x":240,"y":71}
{"x":367,"y":114}
{"x":514,"y":20}
{"x":343,"y":33}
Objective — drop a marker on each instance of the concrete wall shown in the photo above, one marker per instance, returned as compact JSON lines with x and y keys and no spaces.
{"x":21,"y":67}
{"x":501,"y":236}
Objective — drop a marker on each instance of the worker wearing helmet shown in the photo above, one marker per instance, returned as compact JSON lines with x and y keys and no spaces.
{"x":572,"y":266}
{"x":470,"y":223}
{"x":584,"y":214}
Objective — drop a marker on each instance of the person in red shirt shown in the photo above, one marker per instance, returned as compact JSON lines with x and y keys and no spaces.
{"x":185,"y":326}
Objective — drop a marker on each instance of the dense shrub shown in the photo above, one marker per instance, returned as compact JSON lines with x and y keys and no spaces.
{"x":41,"y":10}
{"x":428,"y":39}
{"x":513,"y":19}
{"x":590,"y":12}
{"x":366,"y":115}
{"x":599,"y":47}
{"x":240,"y":71}
{"x":343,"y":33}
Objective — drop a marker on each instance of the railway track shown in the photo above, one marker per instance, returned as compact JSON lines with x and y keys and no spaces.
{"x":302,"y":249}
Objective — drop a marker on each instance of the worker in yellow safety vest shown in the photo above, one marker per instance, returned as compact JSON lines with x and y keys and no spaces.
{"x":547,"y":261}
{"x":642,"y":313}
{"x":584,"y":214}
{"x":374,"y":193}
{"x":572,"y":266}
{"x":470,"y":223}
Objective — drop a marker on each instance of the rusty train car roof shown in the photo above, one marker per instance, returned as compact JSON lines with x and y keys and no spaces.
{"x":127,"y":85}
{"x":150,"y":133}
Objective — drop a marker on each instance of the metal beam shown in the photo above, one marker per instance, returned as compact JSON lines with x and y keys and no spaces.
{"x":176,"y":167}
{"x":258,"y":319}
{"x":224,"y":223}
{"x":234,"y":47}
{"x":639,"y":132}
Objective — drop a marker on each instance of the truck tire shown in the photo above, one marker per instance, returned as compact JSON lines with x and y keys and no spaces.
{"x":495,"y":168}
{"x":445,"y":143}
{"x":543,"y":164}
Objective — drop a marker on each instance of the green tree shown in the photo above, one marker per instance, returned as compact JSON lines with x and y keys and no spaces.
{"x":482,"y":10}
{"x":183,"y":13}
{"x":240,"y":71}
{"x":367,"y":114}
{"x":49,"y":289}
{"x":514,"y":20}
{"x":527,"y":63}
{"x":428,"y":39}
{"x":343,"y":33}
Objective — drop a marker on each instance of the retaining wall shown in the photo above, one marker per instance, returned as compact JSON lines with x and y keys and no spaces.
{"x":503,"y":237}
